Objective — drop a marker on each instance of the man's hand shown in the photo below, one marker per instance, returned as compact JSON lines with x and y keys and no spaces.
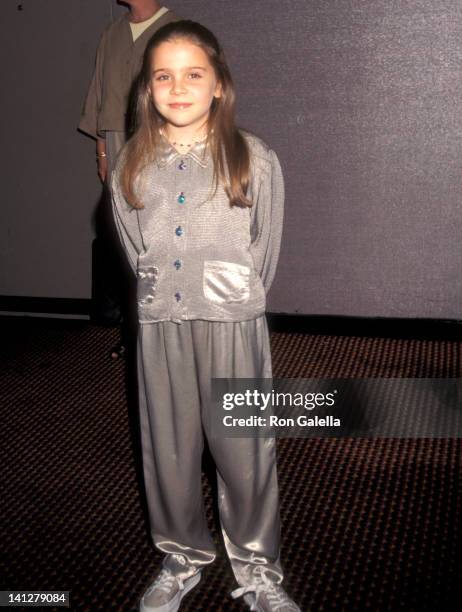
{"x":102,"y":168}
{"x":101,"y":159}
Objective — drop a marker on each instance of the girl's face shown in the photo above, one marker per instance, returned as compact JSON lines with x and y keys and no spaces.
{"x":183,"y":84}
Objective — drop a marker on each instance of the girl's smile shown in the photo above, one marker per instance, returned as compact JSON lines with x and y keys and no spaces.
{"x":179,"y":105}
{"x":183,"y":86}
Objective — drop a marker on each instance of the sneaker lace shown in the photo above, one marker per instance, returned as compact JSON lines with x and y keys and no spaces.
{"x":275,"y":594}
{"x":180,"y":558}
{"x":165,"y":581}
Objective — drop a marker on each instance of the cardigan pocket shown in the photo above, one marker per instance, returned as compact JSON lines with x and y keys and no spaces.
{"x":225,"y":282}
{"x":146,"y":284}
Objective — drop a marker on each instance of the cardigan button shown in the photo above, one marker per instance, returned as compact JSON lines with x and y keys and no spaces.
{"x":182,"y":165}
{"x":178,"y":296}
{"x":177,"y":264}
{"x":181,"y":198}
{"x":179,"y":231}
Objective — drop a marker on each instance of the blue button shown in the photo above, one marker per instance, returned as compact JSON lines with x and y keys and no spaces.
{"x":178,"y":296}
{"x":179,"y":231}
{"x":177,"y":264}
{"x":181,"y":198}
{"x":182,"y":165}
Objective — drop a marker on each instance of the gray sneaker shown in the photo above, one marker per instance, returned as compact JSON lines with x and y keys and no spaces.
{"x":167,"y":591}
{"x":264,"y":595}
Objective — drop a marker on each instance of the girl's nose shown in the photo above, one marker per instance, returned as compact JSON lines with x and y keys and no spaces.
{"x":178,"y":87}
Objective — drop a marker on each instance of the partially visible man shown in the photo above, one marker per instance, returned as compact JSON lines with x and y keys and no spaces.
{"x":118,"y":61}
{"x":104,"y":117}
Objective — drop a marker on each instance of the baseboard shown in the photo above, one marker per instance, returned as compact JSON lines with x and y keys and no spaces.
{"x":337,"y":325}
{"x":385,"y":327}
{"x":32,"y":306}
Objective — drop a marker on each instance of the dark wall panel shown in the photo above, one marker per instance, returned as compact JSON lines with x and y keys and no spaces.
{"x":362,"y":102}
{"x":49,"y":183}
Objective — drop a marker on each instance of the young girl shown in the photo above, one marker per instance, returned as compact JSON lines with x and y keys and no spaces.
{"x":199,"y":209}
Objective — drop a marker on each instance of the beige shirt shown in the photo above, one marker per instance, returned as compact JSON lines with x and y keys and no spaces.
{"x":118,"y":62}
{"x":194,"y":255}
{"x":138,"y":28}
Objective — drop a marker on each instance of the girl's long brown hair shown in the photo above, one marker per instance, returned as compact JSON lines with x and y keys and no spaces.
{"x":228,"y":147}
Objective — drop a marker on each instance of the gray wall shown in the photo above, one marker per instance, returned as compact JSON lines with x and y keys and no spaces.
{"x":361,"y":100}
{"x":49,"y":186}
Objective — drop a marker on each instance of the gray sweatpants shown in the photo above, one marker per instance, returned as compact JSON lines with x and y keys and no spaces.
{"x":175,"y":365}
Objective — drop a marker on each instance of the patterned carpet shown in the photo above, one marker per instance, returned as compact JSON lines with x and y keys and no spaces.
{"x":367,"y":524}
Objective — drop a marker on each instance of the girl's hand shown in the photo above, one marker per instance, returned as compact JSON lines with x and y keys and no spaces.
{"x":102,"y":168}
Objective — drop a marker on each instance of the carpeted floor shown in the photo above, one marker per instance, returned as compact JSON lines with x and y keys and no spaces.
{"x":367,"y":524}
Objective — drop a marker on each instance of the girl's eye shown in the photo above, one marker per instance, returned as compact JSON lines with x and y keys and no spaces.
{"x":195,"y":75}
{"x":162,"y":77}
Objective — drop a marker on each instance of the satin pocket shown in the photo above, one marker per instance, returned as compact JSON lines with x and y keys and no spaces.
{"x":147,"y":284}
{"x":225,"y":282}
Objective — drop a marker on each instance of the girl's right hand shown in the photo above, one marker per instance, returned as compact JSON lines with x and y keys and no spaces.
{"x":102,"y":168}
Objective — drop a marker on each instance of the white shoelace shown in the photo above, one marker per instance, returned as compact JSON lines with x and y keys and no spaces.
{"x":277,"y":597}
{"x":164,"y":582}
